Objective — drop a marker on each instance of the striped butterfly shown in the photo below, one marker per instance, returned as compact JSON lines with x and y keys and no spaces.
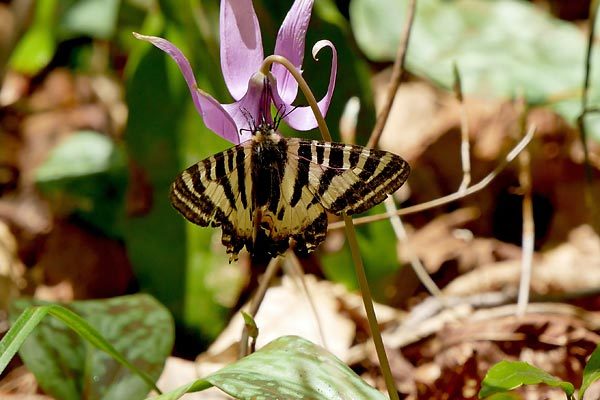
{"x":271,"y":190}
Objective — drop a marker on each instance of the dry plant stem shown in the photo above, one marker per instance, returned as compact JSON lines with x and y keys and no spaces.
{"x":396,"y":79}
{"x":464,"y":133}
{"x":416,"y":264}
{"x":365,"y":291}
{"x":350,"y":232}
{"x":451,"y":197}
{"x":584,"y":109}
{"x":257,"y":299}
{"x":528,"y":233}
{"x":295,"y":269}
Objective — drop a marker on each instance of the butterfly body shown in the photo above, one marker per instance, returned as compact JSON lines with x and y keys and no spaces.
{"x":271,"y":190}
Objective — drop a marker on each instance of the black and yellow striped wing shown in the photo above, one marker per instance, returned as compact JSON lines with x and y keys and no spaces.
{"x":269,"y":191}
{"x":217,"y":192}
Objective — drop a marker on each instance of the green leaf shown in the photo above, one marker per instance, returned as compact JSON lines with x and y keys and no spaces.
{"x":509,"y":375}
{"x":377,"y":243}
{"x":250,"y":325}
{"x":36,"y":48}
{"x":505,"y":396}
{"x":87,"y":174}
{"x":127,"y":334}
{"x":287,"y":368}
{"x":543,"y":60}
{"x":183,"y":265}
{"x":591,"y":372}
{"x":94,"y":18}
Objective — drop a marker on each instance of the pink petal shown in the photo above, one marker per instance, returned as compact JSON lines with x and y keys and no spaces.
{"x":290,"y":44}
{"x":214,"y":116}
{"x":217,"y":119}
{"x":251,"y":109}
{"x":302,"y":118}
{"x":241,"y":44}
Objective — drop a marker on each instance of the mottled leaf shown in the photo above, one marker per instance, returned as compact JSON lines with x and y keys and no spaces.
{"x":68,"y":367}
{"x":287,"y":368}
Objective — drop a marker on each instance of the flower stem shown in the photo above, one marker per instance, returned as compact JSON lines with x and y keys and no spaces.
{"x":350,"y":232}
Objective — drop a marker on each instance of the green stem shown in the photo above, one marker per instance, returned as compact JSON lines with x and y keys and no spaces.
{"x":350,"y":232}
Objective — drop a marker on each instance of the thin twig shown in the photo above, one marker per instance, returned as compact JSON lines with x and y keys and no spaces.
{"x":528,"y":233}
{"x":365,"y":292}
{"x":584,"y":109}
{"x":257,"y":299}
{"x":465,"y":156}
{"x":415,"y":262}
{"x":451,"y":197}
{"x":297,"y":272}
{"x":397,"y":75}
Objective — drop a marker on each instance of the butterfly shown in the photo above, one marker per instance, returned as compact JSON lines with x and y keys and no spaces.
{"x":270,"y":191}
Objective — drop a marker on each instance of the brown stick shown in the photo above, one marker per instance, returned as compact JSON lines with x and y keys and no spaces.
{"x":397,"y":75}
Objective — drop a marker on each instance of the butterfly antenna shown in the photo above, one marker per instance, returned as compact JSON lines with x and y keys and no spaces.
{"x":249,"y":120}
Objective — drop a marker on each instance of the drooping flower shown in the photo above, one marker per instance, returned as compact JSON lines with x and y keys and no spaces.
{"x":241,"y":58}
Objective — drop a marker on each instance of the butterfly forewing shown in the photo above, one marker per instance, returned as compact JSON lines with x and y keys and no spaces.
{"x":348,"y":178}
{"x":269,"y":190}
{"x":217,"y":191}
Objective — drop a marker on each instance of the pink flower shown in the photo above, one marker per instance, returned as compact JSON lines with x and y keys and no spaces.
{"x":241,"y":58}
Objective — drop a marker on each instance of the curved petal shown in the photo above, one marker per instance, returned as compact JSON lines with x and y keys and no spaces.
{"x":215,"y":117}
{"x":302,"y":118}
{"x":241,"y":45}
{"x":290,"y":44}
{"x":252,"y":109}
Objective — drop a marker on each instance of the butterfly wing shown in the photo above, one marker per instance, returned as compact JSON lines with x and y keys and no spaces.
{"x":217,"y":192}
{"x":348,"y":178}
{"x":314,"y":177}
{"x":333,"y":177}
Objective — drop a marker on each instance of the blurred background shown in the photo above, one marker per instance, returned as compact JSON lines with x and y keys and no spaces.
{"x":95,"y":125}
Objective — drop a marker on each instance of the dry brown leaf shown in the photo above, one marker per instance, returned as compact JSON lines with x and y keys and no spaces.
{"x":285,"y":310}
{"x":178,"y":372}
{"x":570,"y":267}
{"x":12,"y":270}
{"x":93,"y":265}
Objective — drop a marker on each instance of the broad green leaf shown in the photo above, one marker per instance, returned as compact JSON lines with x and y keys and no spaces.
{"x":509,"y":375}
{"x":183,"y":265}
{"x":93,"y":356}
{"x":543,"y":60}
{"x":94,"y":18}
{"x":377,"y":244}
{"x":591,"y":372}
{"x":87,"y":174}
{"x":287,"y":368}
{"x":36,"y":48}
